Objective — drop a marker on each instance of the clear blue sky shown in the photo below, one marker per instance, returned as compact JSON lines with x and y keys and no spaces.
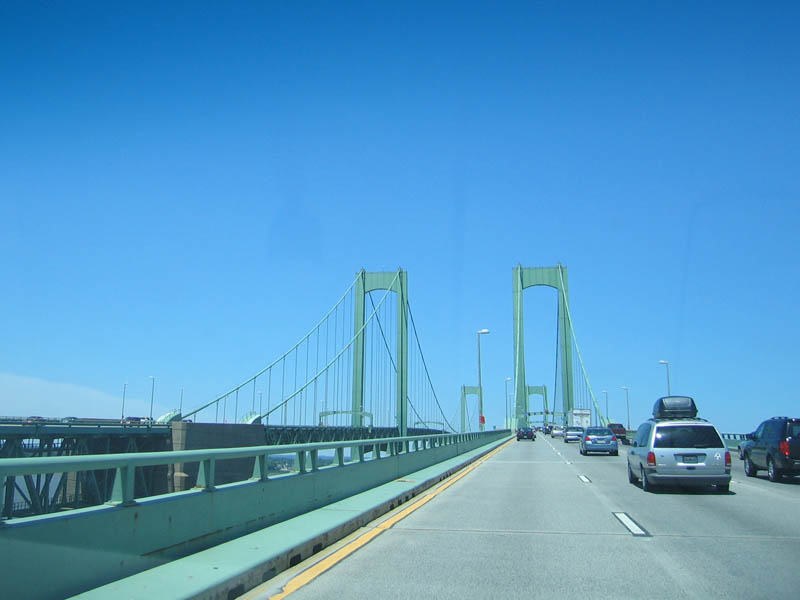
{"x":185,"y":189}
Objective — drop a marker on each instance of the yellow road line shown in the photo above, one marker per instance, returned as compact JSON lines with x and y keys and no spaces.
{"x":328,"y":562}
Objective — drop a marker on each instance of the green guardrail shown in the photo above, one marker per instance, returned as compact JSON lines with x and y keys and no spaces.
{"x":128,"y":534}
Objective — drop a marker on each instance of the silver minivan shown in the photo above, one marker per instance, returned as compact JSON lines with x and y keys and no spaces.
{"x":679,"y":451}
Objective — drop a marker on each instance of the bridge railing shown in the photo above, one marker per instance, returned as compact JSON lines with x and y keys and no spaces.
{"x":129,"y":534}
{"x":306,"y":458}
{"x":732,"y":440}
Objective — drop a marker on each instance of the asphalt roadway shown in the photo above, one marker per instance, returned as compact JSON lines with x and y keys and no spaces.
{"x":537,"y":520}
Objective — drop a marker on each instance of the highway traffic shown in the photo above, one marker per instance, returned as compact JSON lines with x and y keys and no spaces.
{"x":539,"y":520}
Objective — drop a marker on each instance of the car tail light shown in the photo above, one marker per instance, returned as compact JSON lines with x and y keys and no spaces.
{"x":613,"y":438}
{"x":586,"y":439}
{"x":727,"y":459}
{"x":784,"y":446}
{"x":651,"y":459}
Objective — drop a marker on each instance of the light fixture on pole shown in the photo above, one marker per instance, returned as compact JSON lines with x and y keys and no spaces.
{"x":666,"y":364}
{"x":152,"y":392}
{"x":124,"y":389}
{"x":628,"y":405}
{"x":508,"y":408}
{"x":481,"y":418}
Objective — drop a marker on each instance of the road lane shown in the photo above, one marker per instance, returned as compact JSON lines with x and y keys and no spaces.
{"x":525,"y":525}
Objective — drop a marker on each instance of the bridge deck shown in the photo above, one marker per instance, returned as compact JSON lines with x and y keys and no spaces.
{"x":251,"y":559}
{"x":524,"y":524}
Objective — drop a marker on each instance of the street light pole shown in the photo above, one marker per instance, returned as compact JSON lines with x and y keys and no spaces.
{"x":606,"y":393}
{"x":481,"y":418}
{"x":124,"y":389}
{"x":628,"y":404}
{"x":152,"y":392}
{"x":666,"y":364}
{"x":508,"y":408}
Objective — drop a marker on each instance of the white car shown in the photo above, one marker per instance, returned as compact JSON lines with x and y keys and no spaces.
{"x":573,"y":434}
{"x":558,"y":431}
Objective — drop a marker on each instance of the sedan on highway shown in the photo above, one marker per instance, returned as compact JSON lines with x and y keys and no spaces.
{"x":526,"y":433}
{"x":573,"y":434}
{"x":599,"y":439}
{"x":557,"y":431}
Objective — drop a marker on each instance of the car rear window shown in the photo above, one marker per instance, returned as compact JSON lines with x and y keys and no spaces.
{"x":687,"y":436}
{"x":599,"y":431}
{"x":793,"y":429}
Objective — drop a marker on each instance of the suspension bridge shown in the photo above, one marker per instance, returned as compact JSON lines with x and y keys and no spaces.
{"x":341,"y":428}
{"x":358,"y":373}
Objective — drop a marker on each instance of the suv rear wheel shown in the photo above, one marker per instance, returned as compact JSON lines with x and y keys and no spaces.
{"x":749,"y":468}
{"x":773,"y":471}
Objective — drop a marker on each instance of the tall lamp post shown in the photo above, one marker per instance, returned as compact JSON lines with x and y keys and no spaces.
{"x":666,"y":364}
{"x":152,"y":391}
{"x":508,"y":408}
{"x":606,"y":393}
{"x":628,"y":405}
{"x":481,"y":418}
{"x":124,"y":389}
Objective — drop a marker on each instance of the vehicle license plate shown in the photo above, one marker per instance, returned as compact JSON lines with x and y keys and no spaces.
{"x":690,"y":459}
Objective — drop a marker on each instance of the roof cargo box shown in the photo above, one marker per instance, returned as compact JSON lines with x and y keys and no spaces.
{"x":675,"y":407}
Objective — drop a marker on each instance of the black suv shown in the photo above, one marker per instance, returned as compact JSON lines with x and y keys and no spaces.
{"x":774,"y":446}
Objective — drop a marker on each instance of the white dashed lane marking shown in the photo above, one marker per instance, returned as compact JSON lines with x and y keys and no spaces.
{"x":631,"y":525}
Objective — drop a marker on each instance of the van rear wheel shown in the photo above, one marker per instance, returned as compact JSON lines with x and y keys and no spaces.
{"x":645,"y":483}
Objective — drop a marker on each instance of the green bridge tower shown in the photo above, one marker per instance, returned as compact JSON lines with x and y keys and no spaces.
{"x":395,"y":281}
{"x":555,"y":277}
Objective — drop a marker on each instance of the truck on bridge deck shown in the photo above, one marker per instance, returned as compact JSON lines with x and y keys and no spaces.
{"x":580,"y":417}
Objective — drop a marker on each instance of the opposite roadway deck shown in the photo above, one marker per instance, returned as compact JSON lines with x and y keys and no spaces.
{"x":524,"y":524}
